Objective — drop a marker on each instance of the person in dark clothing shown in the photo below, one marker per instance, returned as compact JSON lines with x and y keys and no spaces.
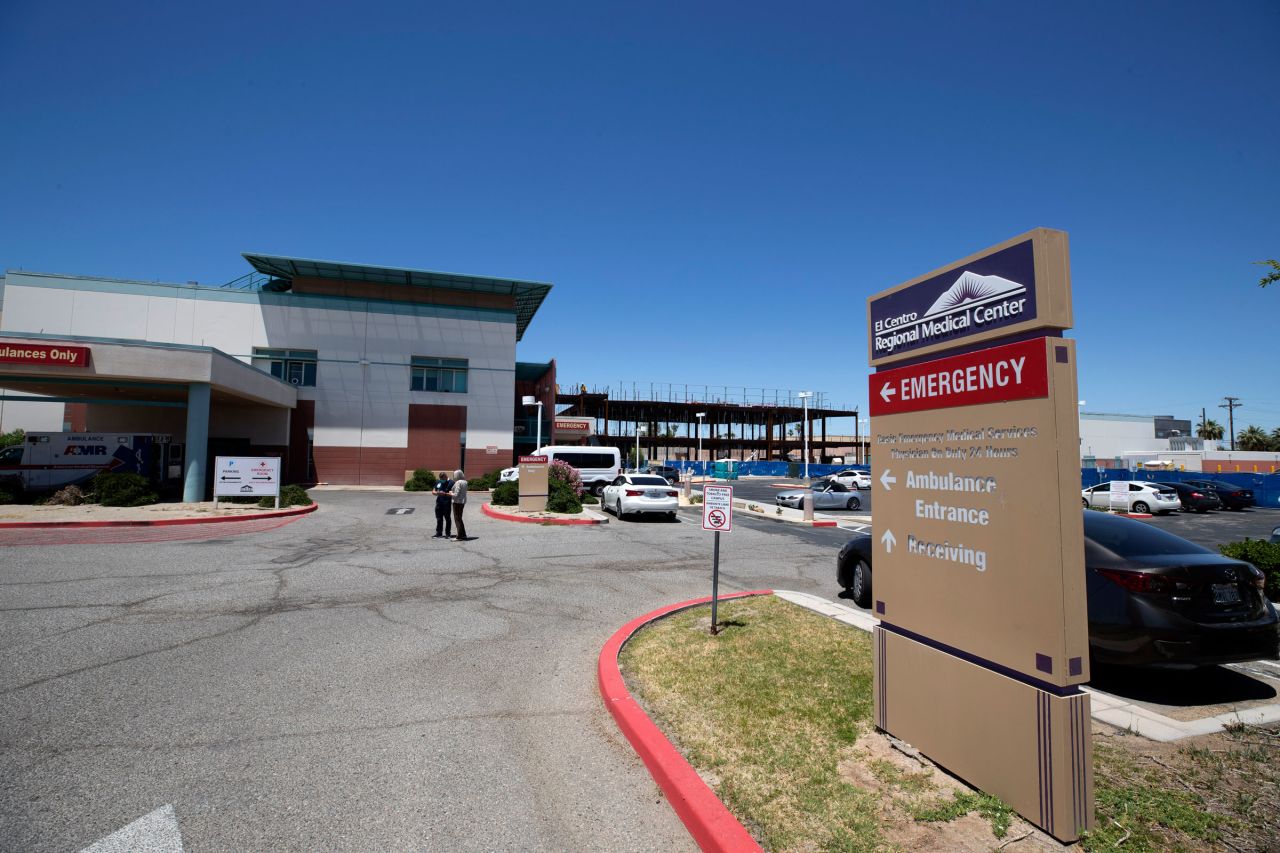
{"x":444,"y":507}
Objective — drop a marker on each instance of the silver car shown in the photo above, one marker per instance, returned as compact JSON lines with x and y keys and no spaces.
{"x":827,"y":494}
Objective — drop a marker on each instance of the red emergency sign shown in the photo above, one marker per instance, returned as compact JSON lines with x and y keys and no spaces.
{"x":1011,"y":372}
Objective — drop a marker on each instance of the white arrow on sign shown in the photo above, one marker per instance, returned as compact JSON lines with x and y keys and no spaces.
{"x":887,"y":391}
{"x":887,"y":539}
{"x":885,"y":480}
{"x":156,"y":833}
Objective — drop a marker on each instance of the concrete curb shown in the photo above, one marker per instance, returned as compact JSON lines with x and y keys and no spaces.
{"x":488,"y":510}
{"x":713,"y":827}
{"x":159,"y":522}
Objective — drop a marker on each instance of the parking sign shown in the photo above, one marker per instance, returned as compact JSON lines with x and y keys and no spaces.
{"x":717,"y":508}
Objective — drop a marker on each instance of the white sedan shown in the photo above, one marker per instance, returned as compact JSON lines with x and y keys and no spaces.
{"x":851,"y":479}
{"x":634,"y":493}
{"x":1138,"y":497}
{"x":509,"y":475}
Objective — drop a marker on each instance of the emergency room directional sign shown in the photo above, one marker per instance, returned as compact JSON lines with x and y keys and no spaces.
{"x":246,"y":476}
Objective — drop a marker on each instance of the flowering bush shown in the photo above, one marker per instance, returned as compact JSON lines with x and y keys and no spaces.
{"x":567,"y":474}
{"x":565,"y":487}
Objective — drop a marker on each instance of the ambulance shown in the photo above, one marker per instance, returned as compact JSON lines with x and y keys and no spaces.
{"x":46,"y":461}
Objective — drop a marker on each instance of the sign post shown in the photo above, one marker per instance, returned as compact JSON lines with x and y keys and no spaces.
{"x":535,"y":483}
{"x":979,"y":544}
{"x":246,"y":477}
{"x":717,"y":515}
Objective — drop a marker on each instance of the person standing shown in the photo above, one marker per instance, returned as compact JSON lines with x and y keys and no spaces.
{"x":459,"y":495}
{"x":444,"y":506}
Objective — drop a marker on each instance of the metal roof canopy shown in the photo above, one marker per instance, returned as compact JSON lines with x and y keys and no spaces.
{"x":528,"y":294}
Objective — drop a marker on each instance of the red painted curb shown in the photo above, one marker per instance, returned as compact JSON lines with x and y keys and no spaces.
{"x":713,"y":827}
{"x":161,"y":522}
{"x":488,"y":510}
{"x":824,"y":523}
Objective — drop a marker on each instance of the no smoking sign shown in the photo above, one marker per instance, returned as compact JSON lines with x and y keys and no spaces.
{"x":717,"y":508}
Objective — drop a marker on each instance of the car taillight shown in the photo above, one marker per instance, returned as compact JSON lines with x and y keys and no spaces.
{"x":673,"y":494}
{"x":1196,"y":495}
{"x":1143,"y":582}
{"x":1258,"y":577}
{"x":634,"y":493}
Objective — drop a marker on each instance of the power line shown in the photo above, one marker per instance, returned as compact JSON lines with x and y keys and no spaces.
{"x":1231,"y":405}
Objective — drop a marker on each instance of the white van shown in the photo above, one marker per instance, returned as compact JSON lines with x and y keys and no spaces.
{"x":597,"y":466}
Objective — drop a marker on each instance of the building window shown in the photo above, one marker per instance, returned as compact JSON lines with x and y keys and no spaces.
{"x":438,"y":374}
{"x":295,"y":366}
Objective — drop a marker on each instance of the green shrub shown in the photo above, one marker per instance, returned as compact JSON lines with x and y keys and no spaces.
{"x":421,"y":481}
{"x":588,"y":499}
{"x":484,"y":483}
{"x":8,"y":439}
{"x":506,"y":494}
{"x":1264,"y":555}
{"x":563,"y":498}
{"x":289,"y":496}
{"x":123,"y":489}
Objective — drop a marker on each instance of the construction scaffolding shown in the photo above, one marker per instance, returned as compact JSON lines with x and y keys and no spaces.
{"x":737,"y":423}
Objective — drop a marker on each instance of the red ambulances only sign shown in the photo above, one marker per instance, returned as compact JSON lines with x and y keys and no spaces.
{"x":1012,"y":372}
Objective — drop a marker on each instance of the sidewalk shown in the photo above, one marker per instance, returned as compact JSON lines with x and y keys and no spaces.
{"x":93,"y":515}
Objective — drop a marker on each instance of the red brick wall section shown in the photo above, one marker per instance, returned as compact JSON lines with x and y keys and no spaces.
{"x":434,"y":433}
{"x":360,"y":466}
{"x":76,"y":414}
{"x":479,"y":462}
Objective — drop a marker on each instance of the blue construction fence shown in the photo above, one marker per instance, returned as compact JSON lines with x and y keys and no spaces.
{"x":1266,"y":487}
{"x":765,"y":469}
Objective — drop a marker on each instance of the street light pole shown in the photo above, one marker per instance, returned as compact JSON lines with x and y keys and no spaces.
{"x":529,"y":400}
{"x":700,"y":416}
{"x":804,"y":398}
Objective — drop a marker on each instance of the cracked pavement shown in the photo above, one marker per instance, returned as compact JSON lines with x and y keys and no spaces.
{"x":347,"y":683}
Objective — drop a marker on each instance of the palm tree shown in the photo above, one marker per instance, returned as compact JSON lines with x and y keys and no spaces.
{"x":1210,"y":429}
{"x":1253,"y":438}
{"x":1275,"y":439}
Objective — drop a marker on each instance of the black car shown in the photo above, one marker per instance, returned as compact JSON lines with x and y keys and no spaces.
{"x":1154,"y":599}
{"x":669,"y":472}
{"x":1194,"y":498}
{"x":1232,"y":497}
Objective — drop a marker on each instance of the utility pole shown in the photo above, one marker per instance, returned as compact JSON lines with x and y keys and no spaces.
{"x":1231,"y":405}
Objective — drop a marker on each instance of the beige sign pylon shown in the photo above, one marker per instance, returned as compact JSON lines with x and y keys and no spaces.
{"x":979,"y":581}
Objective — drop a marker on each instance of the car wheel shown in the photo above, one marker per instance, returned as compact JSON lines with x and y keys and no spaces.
{"x":800,"y":504}
{"x":1140,"y":506}
{"x":860,"y":584}
{"x":853,"y":503}
{"x":597,"y":489}
{"x":671,"y":516}
{"x":617,"y":509}
{"x":1085,"y":501}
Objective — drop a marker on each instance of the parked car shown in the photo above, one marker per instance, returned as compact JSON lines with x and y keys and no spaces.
{"x":1232,"y":497}
{"x":668,"y":472}
{"x":639,"y":493}
{"x":827,"y":494}
{"x":1154,"y":599}
{"x":851,"y":479}
{"x":1142,"y":497}
{"x":1194,"y":498}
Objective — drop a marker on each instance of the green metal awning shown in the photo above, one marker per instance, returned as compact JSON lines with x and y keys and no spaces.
{"x":528,"y":294}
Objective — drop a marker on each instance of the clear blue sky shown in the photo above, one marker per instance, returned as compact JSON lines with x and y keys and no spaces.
{"x":714,"y":189}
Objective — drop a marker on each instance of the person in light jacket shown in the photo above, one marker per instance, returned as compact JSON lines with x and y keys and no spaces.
{"x":459,"y":493}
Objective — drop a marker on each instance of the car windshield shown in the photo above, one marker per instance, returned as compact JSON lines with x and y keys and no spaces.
{"x":1126,"y":538}
{"x":648,"y":481}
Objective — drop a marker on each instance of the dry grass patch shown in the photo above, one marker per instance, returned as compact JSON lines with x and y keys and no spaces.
{"x":773,"y":712}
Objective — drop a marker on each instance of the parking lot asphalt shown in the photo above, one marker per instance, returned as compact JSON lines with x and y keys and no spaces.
{"x":1219,"y":527}
{"x":348,"y":683}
